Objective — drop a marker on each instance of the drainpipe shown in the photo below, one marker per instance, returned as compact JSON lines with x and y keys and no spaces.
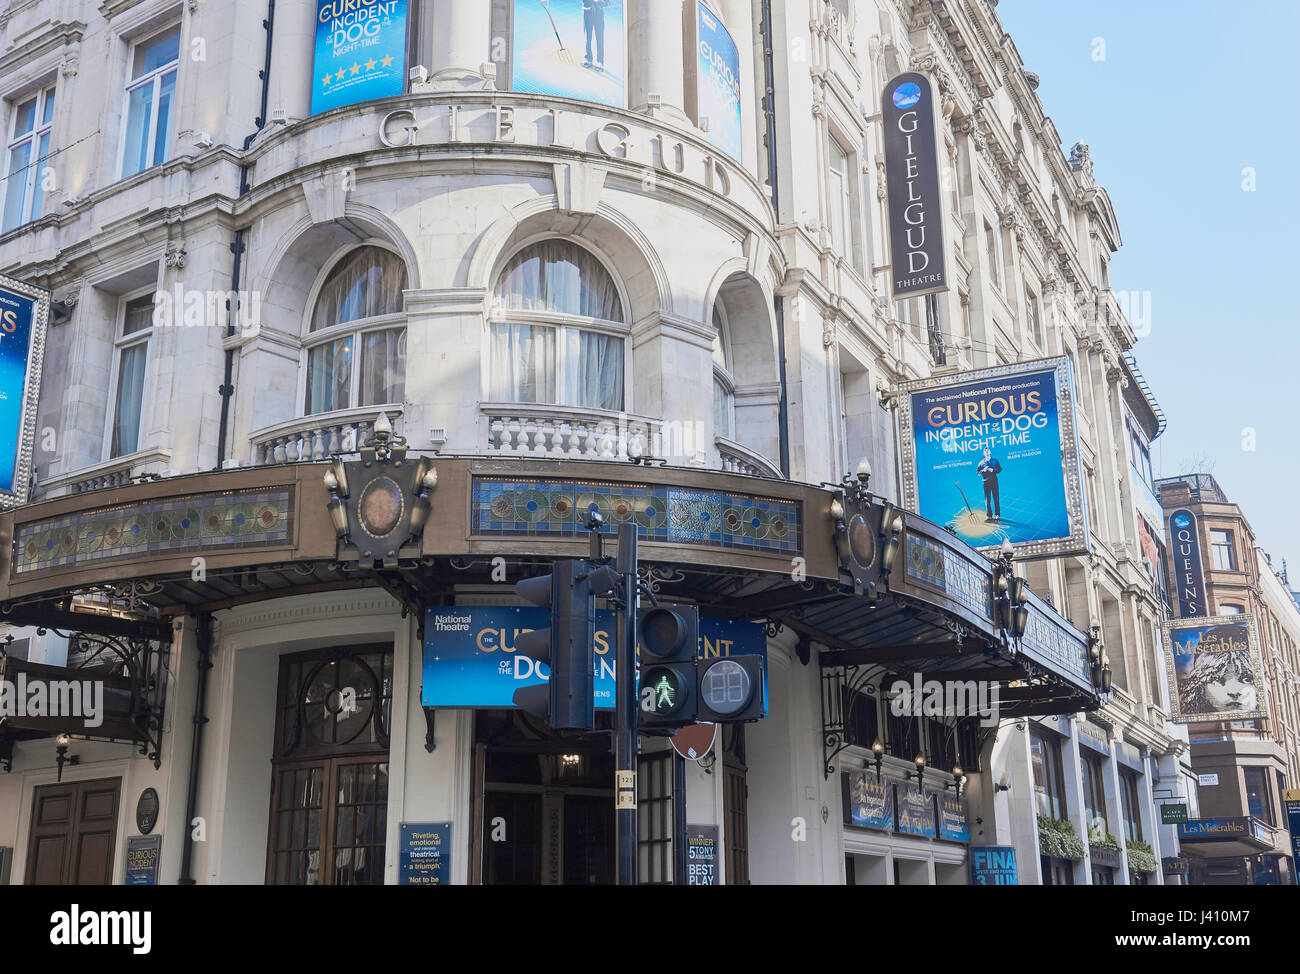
{"x":227,"y":388}
{"x":203,"y":633}
{"x":769,"y":120}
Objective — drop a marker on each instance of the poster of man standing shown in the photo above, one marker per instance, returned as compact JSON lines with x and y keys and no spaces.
{"x":994,"y":457}
{"x":574,"y":48}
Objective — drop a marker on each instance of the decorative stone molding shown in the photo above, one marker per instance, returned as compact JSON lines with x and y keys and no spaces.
{"x":175,"y":257}
{"x":69,"y":66}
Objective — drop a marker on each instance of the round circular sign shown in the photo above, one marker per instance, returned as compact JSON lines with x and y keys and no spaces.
{"x":146,"y":811}
{"x":726,"y":688}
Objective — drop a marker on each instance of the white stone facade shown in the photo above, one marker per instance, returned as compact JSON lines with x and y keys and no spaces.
{"x":455,"y":177}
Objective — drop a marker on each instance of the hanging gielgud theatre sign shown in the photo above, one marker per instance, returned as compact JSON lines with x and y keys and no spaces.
{"x":1215,"y":669}
{"x":993,"y":454}
{"x":917,"y":256}
{"x":24,"y":313}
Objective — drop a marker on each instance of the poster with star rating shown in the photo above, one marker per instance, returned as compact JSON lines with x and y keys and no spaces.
{"x":360,"y":52}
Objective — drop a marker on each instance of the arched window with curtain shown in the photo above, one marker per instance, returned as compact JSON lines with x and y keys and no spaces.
{"x":356,"y":346}
{"x":724,"y":386}
{"x":557,"y":330}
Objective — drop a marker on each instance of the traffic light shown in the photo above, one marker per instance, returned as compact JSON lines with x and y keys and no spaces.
{"x":730,"y":689}
{"x":566,"y":701}
{"x":668,"y":637}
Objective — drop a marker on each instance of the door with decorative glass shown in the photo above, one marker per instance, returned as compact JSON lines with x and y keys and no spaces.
{"x":329,"y":788}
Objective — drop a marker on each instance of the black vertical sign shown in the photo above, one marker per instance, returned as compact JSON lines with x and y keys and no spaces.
{"x":1185,"y":549}
{"x":917,"y":258}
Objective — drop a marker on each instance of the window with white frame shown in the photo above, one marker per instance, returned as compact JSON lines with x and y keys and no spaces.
{"x":356,"y":346}
{"x":840,"y":198}
{"x":29,"y":147}
{"x":131,"y":357}
{"x":557,"y":330}
{"x":724,"y":386}
{"x":150,"y":97}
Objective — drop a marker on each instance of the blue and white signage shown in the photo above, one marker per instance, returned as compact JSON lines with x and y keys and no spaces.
{"x":952,"y":818}
{"x":573,"y":48}
{"x":469,"y":657}
{"x":360,"y":52}
{"x":24,"y":311}
{"x":717,"y":81}
{"x":993,"y":865}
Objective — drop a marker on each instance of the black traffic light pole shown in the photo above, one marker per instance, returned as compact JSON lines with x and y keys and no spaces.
{"x":625,"y":710}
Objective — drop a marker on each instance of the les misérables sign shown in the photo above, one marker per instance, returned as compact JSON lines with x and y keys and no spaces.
{"x":917,"y":258}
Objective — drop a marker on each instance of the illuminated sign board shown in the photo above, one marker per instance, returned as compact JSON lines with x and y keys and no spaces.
{"x":24,"y":315}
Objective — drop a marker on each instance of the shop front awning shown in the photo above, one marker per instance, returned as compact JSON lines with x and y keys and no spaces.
{"x":1219,"y":838}
{"x":875,"y":585}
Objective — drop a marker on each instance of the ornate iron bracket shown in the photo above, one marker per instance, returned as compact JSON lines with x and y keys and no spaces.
{"x":838,"y":684}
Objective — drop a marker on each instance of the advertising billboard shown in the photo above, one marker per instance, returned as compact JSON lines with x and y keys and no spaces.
{"x":24,"y":314}
{"x":918,"y":261}
{"x":868,"y":800}
{"x":993,"y":865}
{"x":360,"y":52}
{"x":573,"y":48}
{"x":713,"y":80}
{"x":1214,"y":667}
{"x":469,"y":657}
{"x":994,"y":456}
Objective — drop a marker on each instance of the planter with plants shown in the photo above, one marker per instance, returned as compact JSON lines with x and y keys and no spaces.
{"x":1141,"y":857}
{"x":1103,"y":847}
{"x":1057,"y":838}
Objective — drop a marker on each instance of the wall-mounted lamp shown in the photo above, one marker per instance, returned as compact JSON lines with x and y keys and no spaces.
{"x":61,"y":756}
{"x":1010,"y":602}
{"x":878,"y":756}
{"x":1100,"y":662}
{"x":958,"y":779}
{"x":202,"y":140}
{"x":335,"y":480}
{"x":420,"y":509}
{"x":891,"y":528}
{"x":919,"y":774}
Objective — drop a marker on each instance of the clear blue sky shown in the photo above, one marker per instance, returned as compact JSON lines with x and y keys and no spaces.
{"x":1190,"y":93}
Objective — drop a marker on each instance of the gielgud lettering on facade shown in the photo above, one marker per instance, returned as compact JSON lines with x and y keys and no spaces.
{"x":554,"y":128}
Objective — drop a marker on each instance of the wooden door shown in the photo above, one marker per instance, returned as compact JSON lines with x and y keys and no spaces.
{"x":74,"y":833}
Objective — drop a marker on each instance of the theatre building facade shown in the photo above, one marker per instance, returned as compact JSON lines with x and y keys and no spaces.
{"x":338,"y":350}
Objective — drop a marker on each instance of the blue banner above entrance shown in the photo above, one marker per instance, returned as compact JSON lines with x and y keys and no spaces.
{"x":469,"y":657}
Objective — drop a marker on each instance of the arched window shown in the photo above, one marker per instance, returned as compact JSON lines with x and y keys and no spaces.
{"x":724,"y":386}
{"x":557,"y":330}
{"x":356,"y":349}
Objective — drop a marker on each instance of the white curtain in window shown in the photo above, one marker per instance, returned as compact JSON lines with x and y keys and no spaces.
{"x":130,"y":394}
{"x":593,"y":369}
{"x":383,"y":366}
{"x":329,"y":376}
{"x":365,"y":284}
{"x":522,"y":364}
{"x":555,"y":275}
